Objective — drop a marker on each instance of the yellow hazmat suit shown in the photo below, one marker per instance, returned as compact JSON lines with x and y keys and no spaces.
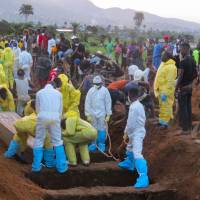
{"x":78,"y":132}
{"x":71,"y":96}
{"x":26,"y":127}
{"x":28,"y":110}
{"x":7,"y":104}
{"x":3,"y":43}
{"x":164,"y":87}
{"x":2,"y":76}
{"x":1,"y":56}
{"x":8,"y":63}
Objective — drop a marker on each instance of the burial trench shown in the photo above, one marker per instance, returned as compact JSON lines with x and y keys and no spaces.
{"x":103,"y":180}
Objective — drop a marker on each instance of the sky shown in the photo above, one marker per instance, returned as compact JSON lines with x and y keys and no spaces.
{"x":183,"y":9}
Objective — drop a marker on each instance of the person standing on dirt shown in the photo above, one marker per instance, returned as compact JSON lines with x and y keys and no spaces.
{"x":43,"y":68}
{"x":135,"y":131}
{"x":164,"y":88}
{"x":187,"y":72}
{"x":157,"y":53}
{"x":98,"y":105}
{"x":49,"y":113}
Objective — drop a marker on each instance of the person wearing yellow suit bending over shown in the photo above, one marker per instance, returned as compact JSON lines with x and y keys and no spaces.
{"x":77,"y":132}
{"x":71,"y":96}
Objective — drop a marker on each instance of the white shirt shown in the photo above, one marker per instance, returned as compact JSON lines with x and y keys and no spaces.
{"x":98,"y":102}
{"x":136,"y":119}
{"x":22,"y":87}
{"x":49,"y":104}
{"x":51,"y":43}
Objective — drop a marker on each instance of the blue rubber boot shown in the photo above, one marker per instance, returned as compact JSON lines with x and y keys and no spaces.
{"x":143,"y":180}
{"x":61,"y":161}
{"x":37,"y":159}
{"x":12,"y":149}
{"x":92,"y":147}
{"x":128,"y":163}
{"x":101,"y":139}
{"x":49,"y":158}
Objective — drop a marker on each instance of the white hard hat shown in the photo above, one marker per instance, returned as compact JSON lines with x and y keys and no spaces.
{"x":139,"y":74}
{"x":132,"y":69}
{"x":74,"y":37}
{"x":97,"y":80}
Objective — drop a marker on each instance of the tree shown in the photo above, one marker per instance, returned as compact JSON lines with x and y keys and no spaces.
{"x":26,"y":10}
{"x":75,"y":27}
{"x":138,"y":18}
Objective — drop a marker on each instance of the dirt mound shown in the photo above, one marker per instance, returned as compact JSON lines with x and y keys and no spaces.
{"x":174,"y":161}
{"x":13,"y":184}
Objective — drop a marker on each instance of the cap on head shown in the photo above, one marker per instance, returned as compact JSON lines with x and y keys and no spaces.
{"x":97,"y":80}
{"x":138,"y":75}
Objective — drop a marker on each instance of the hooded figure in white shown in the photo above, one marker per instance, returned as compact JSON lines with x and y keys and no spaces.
{"x":136,"y":132}
{"x":25,"y":62}
{"x":98,"y":111}
{"x":16,"y":51}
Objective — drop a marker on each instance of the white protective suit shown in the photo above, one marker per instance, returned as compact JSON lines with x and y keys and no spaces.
{"x":97,"y":105}
{"x":25,"y":63}
{"x":135,"y":129}
{"x":49,"y":110}
{"x":17,"y":52}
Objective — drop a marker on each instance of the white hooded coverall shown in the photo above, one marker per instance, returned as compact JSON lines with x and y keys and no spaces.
{"x":135,"y":129}
{"x":97,"y":105}
{"x":16,"y":51}
{"x":49,"y":110}
{"x":25,"y":63}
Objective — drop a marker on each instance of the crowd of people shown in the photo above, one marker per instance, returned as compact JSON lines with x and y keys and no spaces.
{"x":45,"y":80}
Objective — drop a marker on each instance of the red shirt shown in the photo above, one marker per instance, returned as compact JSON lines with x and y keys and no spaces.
{"x":43,"y":41}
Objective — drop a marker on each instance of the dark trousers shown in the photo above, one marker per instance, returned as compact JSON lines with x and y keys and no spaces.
{"x":185,"y":110}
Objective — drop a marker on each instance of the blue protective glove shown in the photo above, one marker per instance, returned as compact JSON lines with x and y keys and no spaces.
{"x":163,"y":98}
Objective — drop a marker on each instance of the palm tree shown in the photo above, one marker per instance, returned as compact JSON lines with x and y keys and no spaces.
{"x":26,"y":10}
{"x":75,"y":27}
{"x":138,"y":18}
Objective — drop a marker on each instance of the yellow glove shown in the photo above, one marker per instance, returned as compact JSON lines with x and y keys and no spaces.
{"x":89,"y":118}
{"x":107,"y":118}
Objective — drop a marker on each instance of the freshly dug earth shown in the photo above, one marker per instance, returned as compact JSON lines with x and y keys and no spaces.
{"x":173,"y":162}
{"x":13,"y":184}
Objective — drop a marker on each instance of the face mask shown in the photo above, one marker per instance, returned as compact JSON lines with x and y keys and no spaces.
{"x":97,"y":86}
